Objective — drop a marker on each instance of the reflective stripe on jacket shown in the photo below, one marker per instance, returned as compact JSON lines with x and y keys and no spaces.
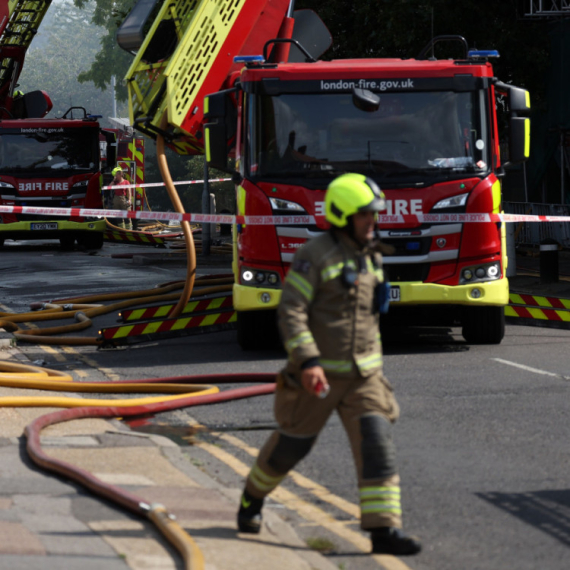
{"x":320,"y":317}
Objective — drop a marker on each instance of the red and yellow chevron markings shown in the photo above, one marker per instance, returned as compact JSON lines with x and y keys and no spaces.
{"x":537,"y":307}
{"x":211,"y":314}
{"x":134,"y":237}
{"x":208,"y":304}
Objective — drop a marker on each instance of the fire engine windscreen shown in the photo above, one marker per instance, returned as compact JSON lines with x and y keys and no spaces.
{"x":413,"y":135}
{"x":48,"y":151}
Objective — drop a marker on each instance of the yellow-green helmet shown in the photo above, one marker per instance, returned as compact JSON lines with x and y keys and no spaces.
{"x":351,"y":193}
{"x":115,"y":170}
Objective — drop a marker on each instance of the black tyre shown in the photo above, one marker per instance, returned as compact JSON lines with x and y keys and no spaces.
{"x":257,"y":330}
{"x":1,"y":241}
{"x":483,"y":325}
{"x":92,"y":240}
{"x":67,"y":241}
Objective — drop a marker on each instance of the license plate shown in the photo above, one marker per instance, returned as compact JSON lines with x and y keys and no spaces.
{"x":44,"y":226}
{"x":394,"y":294}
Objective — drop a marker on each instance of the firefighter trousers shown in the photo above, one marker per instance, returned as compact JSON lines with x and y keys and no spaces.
{"x":121,"y":203}
{"x":367,"y":408}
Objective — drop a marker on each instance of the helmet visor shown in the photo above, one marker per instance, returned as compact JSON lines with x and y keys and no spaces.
{"x":377,"y":205}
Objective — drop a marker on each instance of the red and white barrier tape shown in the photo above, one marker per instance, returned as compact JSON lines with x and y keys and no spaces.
{"x":274,"y":220}
{"x":154,"y":184}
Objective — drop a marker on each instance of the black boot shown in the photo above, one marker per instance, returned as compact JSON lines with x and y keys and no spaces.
{"x":390,"y":540}
{"x":249,"y":514}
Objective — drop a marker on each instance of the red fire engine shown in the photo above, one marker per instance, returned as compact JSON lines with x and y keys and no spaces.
{"x":44,"y":162}
{"x":425,"y":130}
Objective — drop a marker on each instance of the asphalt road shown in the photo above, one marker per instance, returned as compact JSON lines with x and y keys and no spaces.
{"x":482,"y":439}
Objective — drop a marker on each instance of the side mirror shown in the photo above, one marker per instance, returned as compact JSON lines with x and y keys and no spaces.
{"x":365,"y":100}
{"x":519,"y":100}
{"x":220,"y":116}
{"x":519,"y":140}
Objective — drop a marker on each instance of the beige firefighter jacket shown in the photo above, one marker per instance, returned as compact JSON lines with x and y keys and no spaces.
{"x":321,"y":318}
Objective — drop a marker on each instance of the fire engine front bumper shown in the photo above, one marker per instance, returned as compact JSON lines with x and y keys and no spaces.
{"x":255,"y":298}
{"x":48,"y":228}
{"x":482,"y":294}
{"x":491,"y":293}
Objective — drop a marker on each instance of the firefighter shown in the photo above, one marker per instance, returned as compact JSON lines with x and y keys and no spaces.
{"x":329,"y":321}
{"x":122,"y":197}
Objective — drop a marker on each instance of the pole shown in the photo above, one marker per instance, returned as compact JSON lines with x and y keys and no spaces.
{"x":561,"y":166}
{"x":206,"y":210}
{"x":525,"y":183}
{"x":113,"y":85}
{"x":291,"y":9}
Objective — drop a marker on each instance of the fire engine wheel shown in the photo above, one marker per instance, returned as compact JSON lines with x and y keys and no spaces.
{"x":257,"y":330}
{"x":483,"y":325}
{"x":92,"y":240}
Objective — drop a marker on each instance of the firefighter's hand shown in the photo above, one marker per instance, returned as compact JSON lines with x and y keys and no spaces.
{"x":314,"y":380}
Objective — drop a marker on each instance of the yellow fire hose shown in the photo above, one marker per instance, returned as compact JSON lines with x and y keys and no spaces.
{"x":176,"y":202}
{"x":83,"y":310}
{"x":29,"y":376}
{"x":15,"y":375}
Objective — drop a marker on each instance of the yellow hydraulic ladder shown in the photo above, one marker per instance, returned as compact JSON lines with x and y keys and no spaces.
{"x":25,"y":17}
{"x":209,"y":33}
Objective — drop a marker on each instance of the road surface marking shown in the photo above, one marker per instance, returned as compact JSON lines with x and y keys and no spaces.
{"x":318,"y":490}
{"x":530,"y":368}
{"x":308,"y":511}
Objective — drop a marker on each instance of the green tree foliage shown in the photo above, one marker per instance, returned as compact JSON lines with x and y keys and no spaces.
{"x":111,"y":60}
{"x":66,"y":44}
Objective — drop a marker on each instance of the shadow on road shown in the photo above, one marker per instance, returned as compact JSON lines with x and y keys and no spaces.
{"x":422,"y":340}
{"x":548,"y":511}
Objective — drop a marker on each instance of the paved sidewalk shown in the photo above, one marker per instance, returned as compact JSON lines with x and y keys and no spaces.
{"x":48,"y":523}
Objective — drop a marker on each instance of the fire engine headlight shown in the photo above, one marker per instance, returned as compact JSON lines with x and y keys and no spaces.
{"x":6,"y":185}
{"x":493,"y":271}
{"x":485,"y":272}
{"x":453,"y":202}
{"x":81,"y":184}
{"x":278,"y":205}
{"x":259,"y":278}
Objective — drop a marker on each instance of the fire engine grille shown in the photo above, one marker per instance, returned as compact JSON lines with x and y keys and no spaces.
{"x":407,"y":272}
{"x":410,"y":246}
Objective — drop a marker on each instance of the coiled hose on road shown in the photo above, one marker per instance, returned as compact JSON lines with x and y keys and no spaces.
{"x":83,"y":309}
{"x":197,"y":390}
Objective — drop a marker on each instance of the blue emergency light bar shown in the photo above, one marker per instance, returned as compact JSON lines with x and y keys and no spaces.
{"x":249,"y":59}
{"x":474,"y":53}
